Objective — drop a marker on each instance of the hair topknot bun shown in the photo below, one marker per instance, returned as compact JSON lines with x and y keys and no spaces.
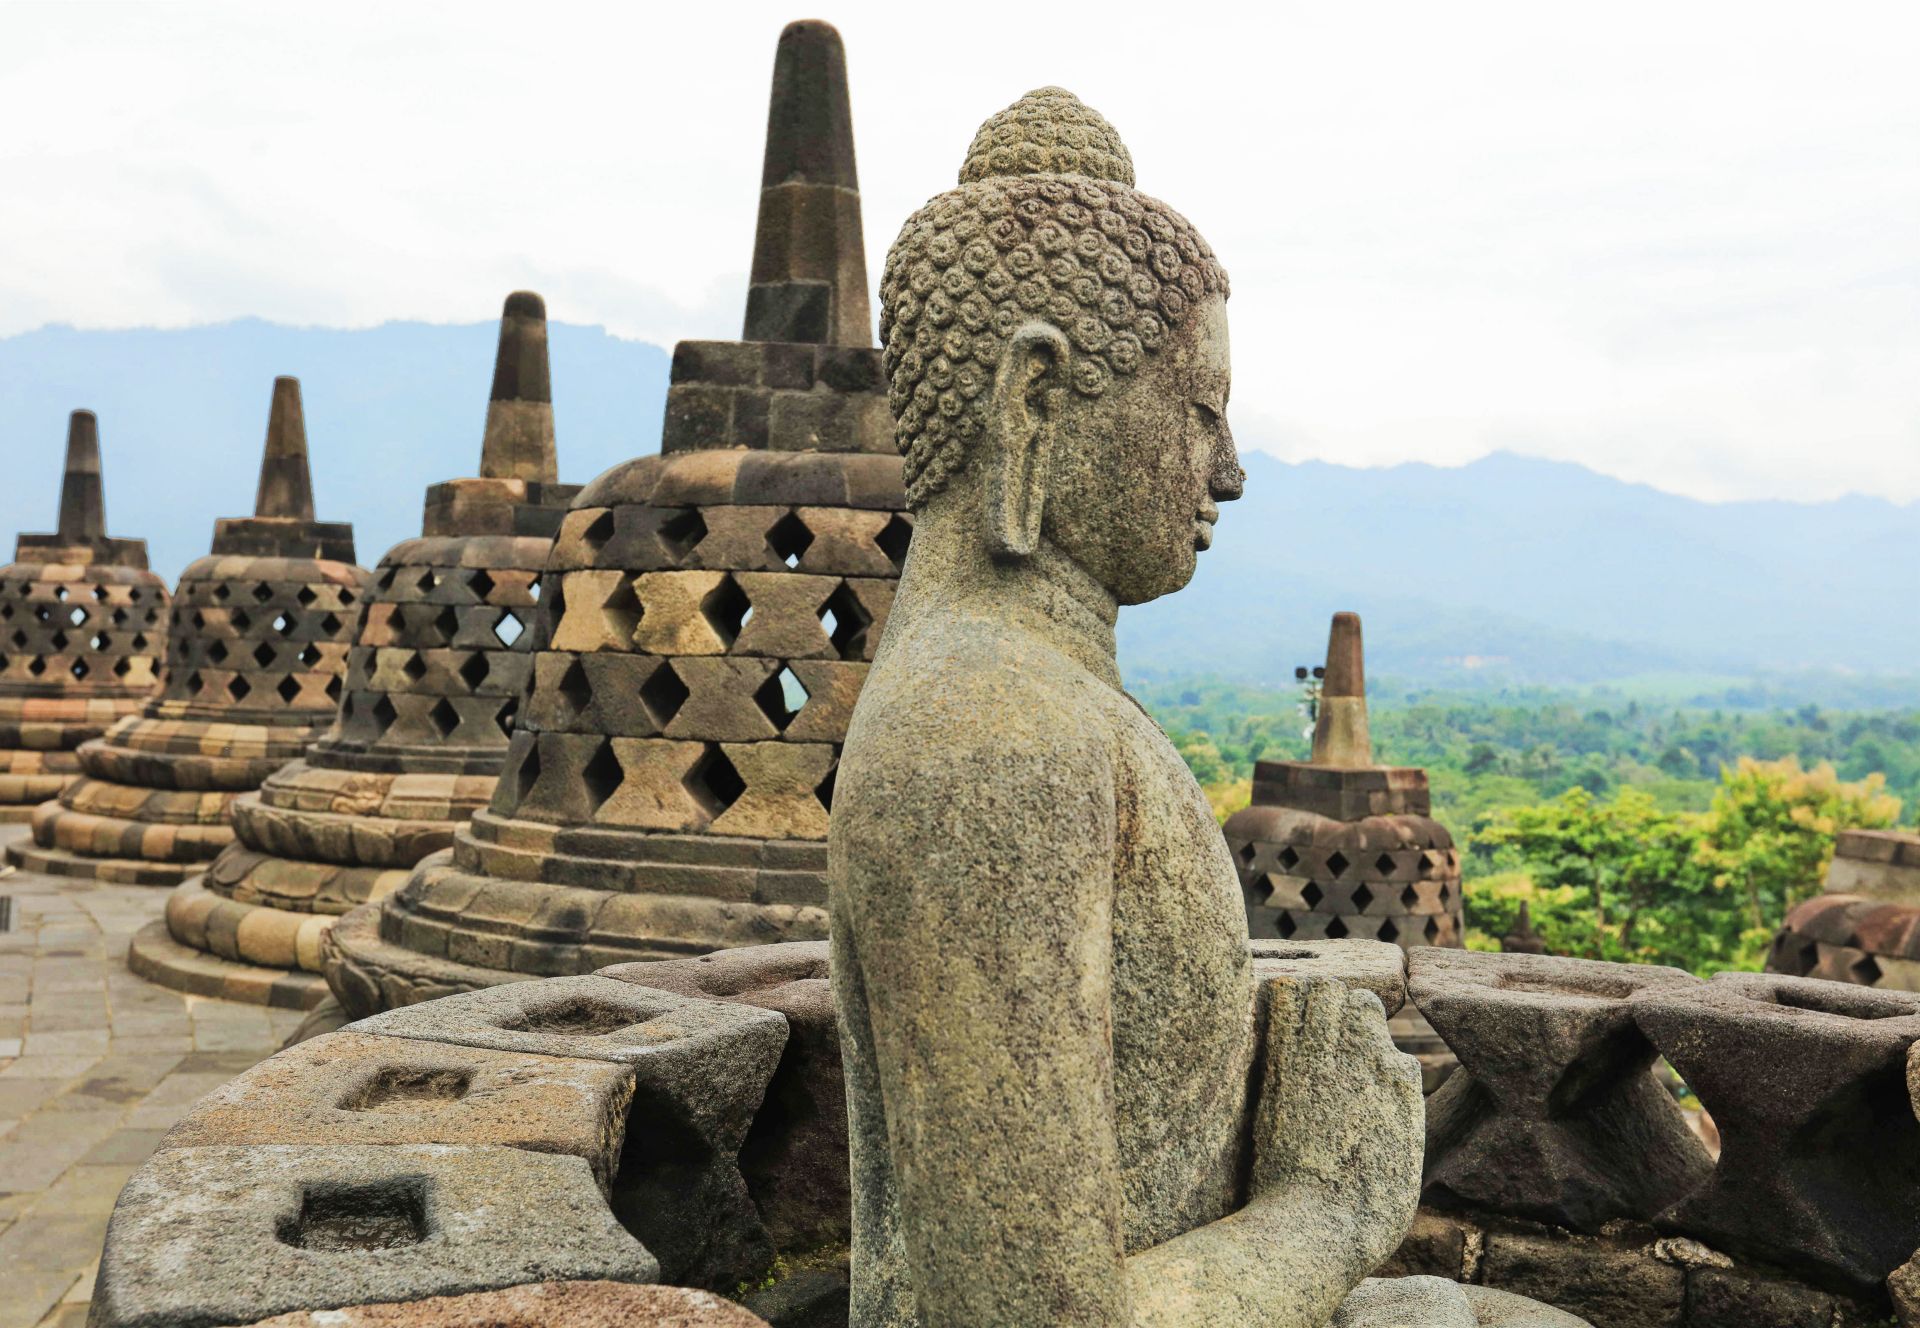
{"x":1048,"y":132}
{"x":1045,"y":224}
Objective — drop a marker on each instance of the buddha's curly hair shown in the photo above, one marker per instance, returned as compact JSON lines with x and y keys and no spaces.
{"x":1045,"y":224}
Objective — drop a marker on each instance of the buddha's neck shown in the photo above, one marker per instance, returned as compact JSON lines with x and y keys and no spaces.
{"x":1049,"y":595}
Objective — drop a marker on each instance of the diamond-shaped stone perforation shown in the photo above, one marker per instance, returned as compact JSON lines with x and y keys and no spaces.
{"x":1323,"y":886}
{"x":101,"y":635}
{"x":259,"y":642}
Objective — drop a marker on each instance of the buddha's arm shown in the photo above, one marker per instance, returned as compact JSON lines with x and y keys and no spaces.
{"x":982,"y":918}
{"x":1336,"y":1175}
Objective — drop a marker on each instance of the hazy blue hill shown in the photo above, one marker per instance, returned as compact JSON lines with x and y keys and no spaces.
{"x":390,"y":410}
{"x":1554,"y":573}
{"x":1504,"y":572}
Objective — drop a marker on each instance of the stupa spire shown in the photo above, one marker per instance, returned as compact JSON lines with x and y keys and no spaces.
{"x":519,"y":439}
{"x":83,"y":510}
{"x":286,"y":487}
{"x":809,"y":280}
{"x":1340,"y":736}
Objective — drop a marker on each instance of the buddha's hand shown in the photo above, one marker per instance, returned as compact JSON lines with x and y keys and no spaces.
{"x":1340,"y":1112}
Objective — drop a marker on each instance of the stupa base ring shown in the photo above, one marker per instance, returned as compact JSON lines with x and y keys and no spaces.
{"x":369,"y":974}
{"x":108,"y":871}
{"x":156,"y":956}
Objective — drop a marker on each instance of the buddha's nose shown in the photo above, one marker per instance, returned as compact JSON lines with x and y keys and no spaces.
{"x":1227,"y":481}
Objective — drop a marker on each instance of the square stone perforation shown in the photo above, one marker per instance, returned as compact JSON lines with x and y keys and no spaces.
{"x":894,"y":538}
{"x":602,"y":776}
{"x":264,"y":655}
{"x":780,"y":698}
{"x":823,"y":791}
{"x":681,"y":532}
{"x":726,"y":609}
{"x":846,"y":622}
{"x":789,"y":539}
{"x":509,"y":629}
{"x":480,"y":584}
{"x":239,"y":687}
{"x":384,"y":714}
{"x":577,"y":691}
{"x":474,"y":670}
{"x":713,"y":782}
{"x":288,"y":689}
{"x":662,"y":695}
{"x":444,"y":718}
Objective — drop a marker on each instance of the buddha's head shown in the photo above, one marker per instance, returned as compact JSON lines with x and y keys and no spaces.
{"x":1056,"y":349}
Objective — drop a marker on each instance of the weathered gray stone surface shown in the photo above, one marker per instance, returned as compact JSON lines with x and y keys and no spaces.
{"x":1039,"y":947}
{"x":1554,"y":1115}
{"x":795,"y":1155}
{"x":541,"y":1305}
{"x":1789,"y":1068}
{"x":226,"y":1235}
{"x":1374,"y":966}
{"x":1432,"y":1302}
{"x":358,"y":1088}
{"x":701,"y":1070}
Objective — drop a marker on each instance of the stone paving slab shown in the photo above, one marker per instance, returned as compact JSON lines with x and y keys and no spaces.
{"x":96,"y":1064}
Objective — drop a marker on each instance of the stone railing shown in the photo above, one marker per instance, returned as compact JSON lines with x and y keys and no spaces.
{"x":684,"y":1123}
{"x":1558,"y":1166}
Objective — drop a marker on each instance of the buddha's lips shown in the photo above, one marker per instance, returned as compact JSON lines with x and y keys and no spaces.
{"x":1203,"y":526}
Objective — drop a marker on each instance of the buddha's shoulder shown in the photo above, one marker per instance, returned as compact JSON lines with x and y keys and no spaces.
{"x":992,"y":669}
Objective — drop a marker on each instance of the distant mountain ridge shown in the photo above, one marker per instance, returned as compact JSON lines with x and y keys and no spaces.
{"x":1510,"y":567}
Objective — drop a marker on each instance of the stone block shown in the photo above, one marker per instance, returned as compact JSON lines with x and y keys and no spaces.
{"x":795,"y":1156}
{"x":701,"y":1073}
{"x":235,"y":1234}
{"x":1373,"y":966}
{"x":1611,"y":1287}
{"x":1555,"y":1115}
{"x":539,"y":1305}
{"x":1786,"y":1066}
{"x":359,"y":1088}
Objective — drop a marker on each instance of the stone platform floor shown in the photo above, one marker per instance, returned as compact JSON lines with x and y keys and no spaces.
{"x":95,"y":1065}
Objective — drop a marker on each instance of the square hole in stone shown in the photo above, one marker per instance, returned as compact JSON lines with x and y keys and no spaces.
{"x":509,"y":628}
{"x":775,"y":697}
{"x":680,"y":532}
{"x":846,"y":622}
{"x":479,"y":583}
{"x":662,"y":694}
{"x":263,"y":655}
{"x":789,"y":539}
{"x":713,"y":781}
{"x":383,"y":1215}
{"x":262,"y":592}
{"x":726,"y":609}
{"x":288,"y":689}
{"x":402,"y":1088}
{"x":602,"y":776}
{"x":579,"y":1016}
{"x":239,"y":688}
{"x":415,"y":668}
{"x":444,"y":717}
{"x":474,"y":669}
{"x":894,"y":538}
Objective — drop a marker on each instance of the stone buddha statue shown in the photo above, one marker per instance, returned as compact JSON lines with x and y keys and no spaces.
{"x":1069,"y":1104}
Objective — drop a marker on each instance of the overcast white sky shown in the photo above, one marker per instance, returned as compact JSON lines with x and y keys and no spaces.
{"x":1678,"y":242}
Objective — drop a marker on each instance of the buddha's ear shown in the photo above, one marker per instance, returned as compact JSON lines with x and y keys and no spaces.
{"x":1029,"y":390}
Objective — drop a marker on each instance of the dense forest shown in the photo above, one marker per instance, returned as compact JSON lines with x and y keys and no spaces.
{"x":1633,"y":829}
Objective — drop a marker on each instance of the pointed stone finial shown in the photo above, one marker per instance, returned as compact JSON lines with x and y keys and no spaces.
{"x":286,"y":487}
{"x":1523,"y":939}
{"x":519,"y":439}
{"x":809,"y":281}
{"x":1340,"y":736}
{"x":83,"y":508}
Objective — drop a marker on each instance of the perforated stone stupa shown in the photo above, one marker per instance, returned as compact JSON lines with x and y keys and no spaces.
{"x":432,"y":683}
{"x":1865,"y":927}
{"x":1336,"y":846}
{"x":256,"y":647}
{"x":83,"y":625}
{"x":707,"y":617}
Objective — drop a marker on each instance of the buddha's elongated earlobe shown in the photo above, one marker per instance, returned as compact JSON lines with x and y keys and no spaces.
{"x":1027,"y":396}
